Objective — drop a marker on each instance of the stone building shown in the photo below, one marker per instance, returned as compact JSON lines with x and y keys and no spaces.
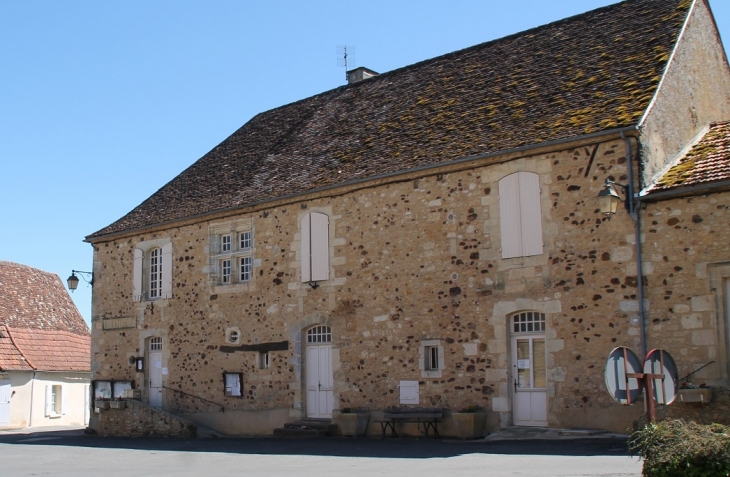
{"x":431,"y":236}
{"x":44,"y":351}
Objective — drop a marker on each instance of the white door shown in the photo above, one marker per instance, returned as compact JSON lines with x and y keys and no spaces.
{"x":155,"y":372}
{"x":319,"y":380}
{"x":529,"y":381}
{"x":4,"y":403}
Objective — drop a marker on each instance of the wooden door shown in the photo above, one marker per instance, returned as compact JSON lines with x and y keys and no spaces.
{"x":529,"y":381}
{"x":155,"y":372}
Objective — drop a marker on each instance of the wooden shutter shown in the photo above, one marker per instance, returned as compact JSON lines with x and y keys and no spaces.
{"x":408,"y":392}
{"x":305,"y":252}
{"x":167,"y":270}
{"x":320,"y":247}
{"x":137,"y":275}
{"x":509,"y":216}
{"x":530,"y":213}
{"x":49,"y":400}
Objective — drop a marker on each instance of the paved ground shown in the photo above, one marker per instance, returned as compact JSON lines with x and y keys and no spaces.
{"x":70,"y":453}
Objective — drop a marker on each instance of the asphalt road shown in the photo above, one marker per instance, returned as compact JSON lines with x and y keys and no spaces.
{"x":70,"y":454}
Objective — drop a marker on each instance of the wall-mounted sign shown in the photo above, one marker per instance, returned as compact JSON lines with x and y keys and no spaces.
{"x":119,"y":323}
{"x":523,"y":364}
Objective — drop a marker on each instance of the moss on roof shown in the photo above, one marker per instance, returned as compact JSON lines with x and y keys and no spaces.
{"x":591,"y":72}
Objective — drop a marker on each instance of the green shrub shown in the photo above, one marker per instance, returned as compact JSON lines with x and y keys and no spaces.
{"x":687,"y":449}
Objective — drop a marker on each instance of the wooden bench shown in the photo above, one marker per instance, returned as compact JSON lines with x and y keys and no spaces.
{"x":426,"y":417}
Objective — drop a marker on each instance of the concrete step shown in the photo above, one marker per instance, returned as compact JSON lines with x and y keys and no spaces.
{"x":307,"y":428}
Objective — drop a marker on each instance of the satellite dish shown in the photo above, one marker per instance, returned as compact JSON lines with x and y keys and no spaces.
{"x":659,"y":362}
{"x":622,"y":362}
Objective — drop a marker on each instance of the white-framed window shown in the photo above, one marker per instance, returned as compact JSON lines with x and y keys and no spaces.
{"x":431,"y":358}
{"x":55,"y":400}
{"x":231,"y":252}
{"x":319,"y":334}
{"x":226,"y":271}
{"x":245,"y":240}
{"x":528,"y":322}
{"x":520,"y":217}
{"x":155,"y":273}
{"x":315,"y":252}
{"x":156,"y":343}
{"x":152,"y":270}
{"x":245,"y":264}
{"x":233,"y":384}
{"x":264,"y":360}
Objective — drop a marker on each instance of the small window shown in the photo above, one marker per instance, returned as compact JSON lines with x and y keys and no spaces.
{"x":264,"y":360}
{"x":245,"y":240}
{"x":245,"y":269}
{"x":233,"y":383}
{"x":319,"y":334}
{"x":408,"y":392}
{"x":226,"y":271}
{"x":528,"y":322}
{"x":225,"y":243}
{"x":55,"y":401}
{"x":432,"y":358}
{"x":156,"y":344}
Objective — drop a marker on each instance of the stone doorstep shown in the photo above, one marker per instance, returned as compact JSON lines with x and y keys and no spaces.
{"x":307,"y":428}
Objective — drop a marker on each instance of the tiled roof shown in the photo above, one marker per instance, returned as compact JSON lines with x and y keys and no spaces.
{"x":588,"y":73}
{"x":706,"y":162}
{"x":52,"y":350}
{"x":32,"y":298}
{"x":11,"y":359}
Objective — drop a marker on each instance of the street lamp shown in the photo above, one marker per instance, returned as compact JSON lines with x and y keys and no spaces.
{"x":73,"y":280}
{"x":608,"y":198}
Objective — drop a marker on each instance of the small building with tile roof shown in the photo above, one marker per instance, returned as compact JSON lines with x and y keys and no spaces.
{"x":431,"y":236}
{"x":45,"y":348}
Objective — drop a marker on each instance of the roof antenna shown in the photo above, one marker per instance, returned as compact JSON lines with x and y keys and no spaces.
{"x":345,"y":56}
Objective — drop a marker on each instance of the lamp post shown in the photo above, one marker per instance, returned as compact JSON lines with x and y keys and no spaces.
{"x":73,"y":280}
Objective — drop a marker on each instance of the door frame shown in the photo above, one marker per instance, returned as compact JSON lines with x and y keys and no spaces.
{"x":318,"y":337}
{"x":527,"y":325}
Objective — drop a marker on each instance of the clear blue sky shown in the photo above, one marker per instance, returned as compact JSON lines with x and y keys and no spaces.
{"x":104,"y":102}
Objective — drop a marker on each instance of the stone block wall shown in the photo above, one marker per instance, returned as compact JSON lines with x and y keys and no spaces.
{"x":139,"y":420}
{"x":414,"y":260}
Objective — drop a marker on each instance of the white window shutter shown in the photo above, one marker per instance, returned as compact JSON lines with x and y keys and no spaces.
{"x":167,"y":270}
{"x":320,"y":247}
{"x":530,"y":213}
{"x":305,"y":252}
{"x":509,"y":216}
{"x":408,"y":392}
{"x":49,"y":400}
{"x":137,"y":275}
{"x":64,"y":390}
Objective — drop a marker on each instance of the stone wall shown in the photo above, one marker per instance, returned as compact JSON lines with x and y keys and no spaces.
{"x":139,"y":420}
{"x":414,"y":260}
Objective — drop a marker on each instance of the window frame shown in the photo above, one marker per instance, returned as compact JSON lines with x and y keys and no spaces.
{"x":231,"y":253}
{"x":154,"y":282}
{"x":430,"y":351}
{"x":238,"y":376}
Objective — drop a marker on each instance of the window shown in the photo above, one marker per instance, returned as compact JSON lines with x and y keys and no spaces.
{"x":155,"y":273}
{"x":319,"y":334}
{"x":156,"y":344}
{"x":233,"y":383}
{"x":244,"y":240}
{"x":520,"y":217}
{"x":315,"y":247}
{"x":528,"y":322}
{"x":431,"y":358}
{"x":231,"y":252}
{"x":264,"y":360}
{"x":152,"y":270}
{"x":245,"y":264}
{"x":226,"y":271}
{"x":226,"y":243}
{"x":55,"y":400}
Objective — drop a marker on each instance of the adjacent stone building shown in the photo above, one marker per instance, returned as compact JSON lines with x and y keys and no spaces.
{"x":431,"y":236}
{"x":44,"y":351}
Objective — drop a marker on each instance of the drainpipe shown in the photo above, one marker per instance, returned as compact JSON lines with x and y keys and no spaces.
{"x":634,"y":203}
{"x":30,"y":417}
